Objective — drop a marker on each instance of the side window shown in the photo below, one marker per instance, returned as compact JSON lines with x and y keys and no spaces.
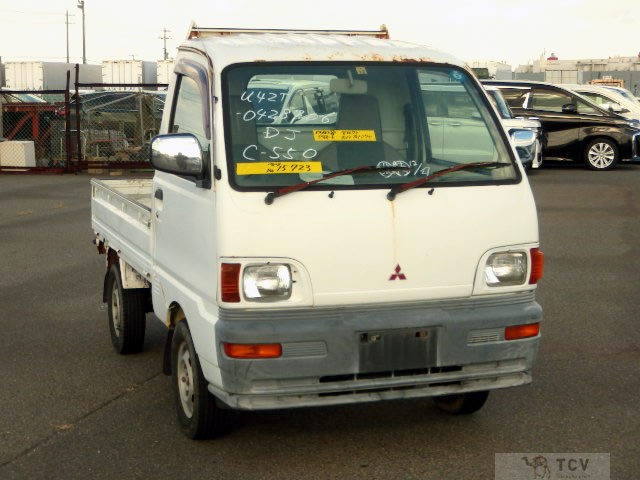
{"x":515,"y":97}
{"x":550,"y":100}
{"x":431,"y":103}
{"x":585,"y":108}
{"x":297,"y":106}
{"x":595,"y":98}
{"x":322,"y":101}
{"x":460,"y":106}
{"x":188,"y":111}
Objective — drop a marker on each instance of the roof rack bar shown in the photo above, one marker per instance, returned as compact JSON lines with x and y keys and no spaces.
{"x":199,"y":32}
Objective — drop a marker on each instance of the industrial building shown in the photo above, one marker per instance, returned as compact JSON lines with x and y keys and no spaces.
{"x":553,"y":69}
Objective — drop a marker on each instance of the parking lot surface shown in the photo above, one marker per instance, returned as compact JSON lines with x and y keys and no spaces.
{"x":73,"y":409}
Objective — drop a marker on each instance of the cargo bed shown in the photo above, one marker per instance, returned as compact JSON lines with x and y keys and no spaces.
{"x":121,"y":218}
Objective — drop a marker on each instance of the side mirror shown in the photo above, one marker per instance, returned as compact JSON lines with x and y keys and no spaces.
{"x":524,"y":142}
{"x":617,"y":108}
{"x":178,"y":153}
{"x":523,"y":138}
{"x":569,"y":108}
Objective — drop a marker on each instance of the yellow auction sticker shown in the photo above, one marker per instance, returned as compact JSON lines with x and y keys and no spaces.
{"x":271,"y":168}
{"x":344,"y":135}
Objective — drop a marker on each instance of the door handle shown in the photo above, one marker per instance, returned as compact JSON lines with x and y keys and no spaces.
{"x":158,"y":195}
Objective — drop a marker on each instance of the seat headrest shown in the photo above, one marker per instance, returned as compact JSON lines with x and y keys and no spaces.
{"x":359,"y":112}
{"x":348,"y":86}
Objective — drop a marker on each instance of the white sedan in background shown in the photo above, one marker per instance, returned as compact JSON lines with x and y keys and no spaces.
{"x":609,"y":99}
{"x":530,"y":154}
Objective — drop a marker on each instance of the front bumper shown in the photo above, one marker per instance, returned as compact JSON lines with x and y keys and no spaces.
{"x":635,"y":148}
{"x":368,"y":353}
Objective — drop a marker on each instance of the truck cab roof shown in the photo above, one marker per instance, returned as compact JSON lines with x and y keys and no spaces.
{"x":226,"y":49}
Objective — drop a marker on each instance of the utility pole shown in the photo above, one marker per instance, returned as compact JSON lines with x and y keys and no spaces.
{"x":67,"y":23}
{"x":165,"y":38}
{"x":84,"y":45}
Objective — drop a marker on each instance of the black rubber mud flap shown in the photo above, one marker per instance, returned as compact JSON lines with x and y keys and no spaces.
{"x":166,"y":360}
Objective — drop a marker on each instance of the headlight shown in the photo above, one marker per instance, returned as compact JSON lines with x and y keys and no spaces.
{"x":506,"y":268}
{"x":266,"y":283}
{"x":634,"y":123}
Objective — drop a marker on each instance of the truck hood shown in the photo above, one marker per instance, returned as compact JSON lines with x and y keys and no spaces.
{"x":358,"y":247}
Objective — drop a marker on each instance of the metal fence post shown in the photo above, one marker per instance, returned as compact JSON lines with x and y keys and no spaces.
{"x":67,"y":120}
{"x":78,"y":134}
{"x":1,"y":124}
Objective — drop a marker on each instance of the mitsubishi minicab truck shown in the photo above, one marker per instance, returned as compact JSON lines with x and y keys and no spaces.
{"x":315,"y":233}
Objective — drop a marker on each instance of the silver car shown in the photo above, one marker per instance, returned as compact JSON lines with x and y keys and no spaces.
{"x":530,"y":154}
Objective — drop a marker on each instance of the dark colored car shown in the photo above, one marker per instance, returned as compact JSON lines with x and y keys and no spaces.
{"x":573,"y":127}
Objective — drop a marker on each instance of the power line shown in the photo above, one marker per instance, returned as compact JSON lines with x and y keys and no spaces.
{"x":35,"y":22}
{"x":29,"y":13}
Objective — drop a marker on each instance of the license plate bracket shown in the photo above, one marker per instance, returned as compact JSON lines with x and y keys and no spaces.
{"x":397,"y":349}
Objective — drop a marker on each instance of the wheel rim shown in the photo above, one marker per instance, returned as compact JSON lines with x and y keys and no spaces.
{"x":185,"y":380}
{"x":601,"y":155}
{"x":116,"y":319}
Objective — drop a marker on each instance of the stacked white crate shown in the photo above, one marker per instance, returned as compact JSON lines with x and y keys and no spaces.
{"x":16,"y":153}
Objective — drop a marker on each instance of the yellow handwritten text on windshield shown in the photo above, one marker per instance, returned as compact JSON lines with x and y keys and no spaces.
{"x":344,"y":135}
{"x":273,"y":168}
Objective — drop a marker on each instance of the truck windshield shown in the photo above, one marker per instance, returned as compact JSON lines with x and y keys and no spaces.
{"x":287,"y":124}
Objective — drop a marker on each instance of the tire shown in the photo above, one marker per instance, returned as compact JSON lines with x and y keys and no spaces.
{"x":198,"y":415}
{"x":126,"y":311}
{"x":462,"y":403}
{"x":601,"y":154}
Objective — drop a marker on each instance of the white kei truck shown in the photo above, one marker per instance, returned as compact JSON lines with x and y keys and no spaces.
{"x":313,"y":235}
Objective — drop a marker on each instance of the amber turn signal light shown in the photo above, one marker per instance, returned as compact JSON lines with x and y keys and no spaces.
{"x":253,"y":350}
{"x":517,"y":332}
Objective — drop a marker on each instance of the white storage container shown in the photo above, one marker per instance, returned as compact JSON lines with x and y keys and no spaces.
{"x":165,"y":70}
{"x":128,"y":71}
{"x":17,"y":153}
{"x":48,"y":75}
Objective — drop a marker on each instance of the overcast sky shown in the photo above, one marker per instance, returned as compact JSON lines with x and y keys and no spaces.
{"x":514,"y":31}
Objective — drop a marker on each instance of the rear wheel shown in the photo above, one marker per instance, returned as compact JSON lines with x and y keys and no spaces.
{"x":198,"y":414}
{"x":126,"y":310}
{"x":601,"y":154}
{"x":462,"y":403}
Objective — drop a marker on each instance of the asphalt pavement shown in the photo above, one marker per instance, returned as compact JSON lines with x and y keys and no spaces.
{"x":73,"y":409}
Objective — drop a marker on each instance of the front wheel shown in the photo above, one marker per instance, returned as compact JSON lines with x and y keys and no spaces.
{"x":601,"y":154}
{"x":462,"y":403}
{"x":198,"y":414}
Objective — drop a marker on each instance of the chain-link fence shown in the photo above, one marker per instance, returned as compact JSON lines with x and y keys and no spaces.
{"x":93,"y":127}
{"x":33,"y":130}
{"x":116,"y":126}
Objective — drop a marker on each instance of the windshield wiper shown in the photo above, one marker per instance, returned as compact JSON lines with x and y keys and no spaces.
{"x":421,"y":181}
{"x":271,"y":196}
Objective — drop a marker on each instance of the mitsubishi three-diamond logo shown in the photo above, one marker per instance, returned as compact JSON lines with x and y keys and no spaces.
{"x":398,"y":275}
